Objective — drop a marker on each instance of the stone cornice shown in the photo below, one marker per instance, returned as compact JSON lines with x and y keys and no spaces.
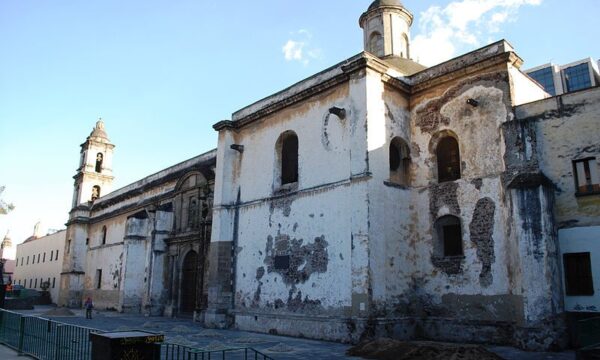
{"x":494,"y":54}
{"x":332,"y":77}
{"x":465,"y":71}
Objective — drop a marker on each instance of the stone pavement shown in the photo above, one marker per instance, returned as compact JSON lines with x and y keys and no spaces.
{"x":188,"y":333}
{"x":7,"y":353}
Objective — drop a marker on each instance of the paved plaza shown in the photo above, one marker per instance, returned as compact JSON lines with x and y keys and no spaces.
{"x":188,"y":333}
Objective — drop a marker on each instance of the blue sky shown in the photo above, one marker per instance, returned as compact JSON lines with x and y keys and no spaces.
{"x":160,"y":73}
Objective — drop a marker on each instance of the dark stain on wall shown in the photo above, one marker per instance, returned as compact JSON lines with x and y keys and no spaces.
{"x":305,"y":259}
{"x":530,"y":212}
{"x":284,"y":204}
{"x":519,"y":138}
{"x":482,"y":229}
{"x":430,"y":117}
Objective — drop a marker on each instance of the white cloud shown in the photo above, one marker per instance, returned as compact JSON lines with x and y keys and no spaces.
{"x":461,"y":24}
{"x":299,"y":48}
{"x":293,"y":50}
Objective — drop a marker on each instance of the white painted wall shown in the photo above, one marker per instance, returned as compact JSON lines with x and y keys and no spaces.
{"x":578,"y":240}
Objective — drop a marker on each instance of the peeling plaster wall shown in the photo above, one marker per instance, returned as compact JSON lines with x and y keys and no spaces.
{"x":442,"y":286}
{"x":378,"y":236}
{"x":567,"y":129}
{"x":108,"y":258}
{"x":320,"y":222}
{"x":577,"y":240}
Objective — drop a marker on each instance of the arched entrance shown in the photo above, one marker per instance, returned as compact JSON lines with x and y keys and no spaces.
{"x":189,"y":281}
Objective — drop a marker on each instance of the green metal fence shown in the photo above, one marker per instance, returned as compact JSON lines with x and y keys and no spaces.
{"x":180,"y":352}
{"x":44,"y":338}
{"x":52,"y":340}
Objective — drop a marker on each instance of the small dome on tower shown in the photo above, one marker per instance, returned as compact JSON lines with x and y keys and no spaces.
{"x":7,"y":242}
{"x":386,"y":29}
{"x":99,"y":131}
{"x":378,"y":3}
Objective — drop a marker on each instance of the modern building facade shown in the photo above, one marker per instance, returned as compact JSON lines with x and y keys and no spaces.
{"x":575,"y":76}
{"x":375,"y":198}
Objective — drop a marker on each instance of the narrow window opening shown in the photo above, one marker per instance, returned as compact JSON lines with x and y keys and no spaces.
{"x":99,"y":160}
{"x":578,"y":274}
{"x":399,"y":162}
{"x":289,"y":158}
{"x":587,"y":180}
{"x":449,"y":236}
{"x":95,"y":192}
{"x":452,"y":240}
{"x":69,"y":246}
{"x":44,"y":258}
{"x":448,"y":159}
{"x":104,"y":235}
{"x":53,"y":282}
{"x":98,"y":278}
{"x":376,"y":44}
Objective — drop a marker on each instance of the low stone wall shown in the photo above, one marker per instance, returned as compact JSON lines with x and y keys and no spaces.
{"x":19,"y":303}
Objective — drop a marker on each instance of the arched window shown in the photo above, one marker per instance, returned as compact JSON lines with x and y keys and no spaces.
{"x":99,"y":159}
{"x":95,"y":192}
{"x":449,"y":236}
{"x":104,"y":235}
{"x":405,"y":47}
{"x":287,"y":147}
{"x":399,"y":161}
{"x":376,"y":44}
{"x":448,"y":159}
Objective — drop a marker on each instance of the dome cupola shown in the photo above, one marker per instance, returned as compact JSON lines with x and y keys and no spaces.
{"x":386,"y":26}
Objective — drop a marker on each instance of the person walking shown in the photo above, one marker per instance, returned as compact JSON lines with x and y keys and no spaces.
{"x":88,"y":305}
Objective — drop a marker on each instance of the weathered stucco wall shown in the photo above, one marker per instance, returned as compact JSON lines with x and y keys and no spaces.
{"x":317,"y":221}
{"x":579,"y":240}
{"x":108,"y":258}
{"x":566,"y":129}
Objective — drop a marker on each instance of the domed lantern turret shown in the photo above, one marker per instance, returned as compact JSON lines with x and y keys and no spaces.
{"x":386,"y":26}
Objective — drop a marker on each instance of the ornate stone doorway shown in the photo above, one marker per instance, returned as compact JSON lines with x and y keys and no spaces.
{"x":189,"y":283}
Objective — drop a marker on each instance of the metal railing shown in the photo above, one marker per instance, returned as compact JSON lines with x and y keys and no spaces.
{"x":180,"y":352}
{"x":44,"y":338}
{"x":53,"y":340}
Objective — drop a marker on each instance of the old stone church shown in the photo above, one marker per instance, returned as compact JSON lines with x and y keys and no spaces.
{"x":377,"y":197}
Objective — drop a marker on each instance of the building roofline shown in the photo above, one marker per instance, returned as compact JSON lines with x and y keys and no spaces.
{"x":340,"y":73}
{"x":205,"y":159}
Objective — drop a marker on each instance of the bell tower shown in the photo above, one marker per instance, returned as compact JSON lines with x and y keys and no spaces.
{"x":94,"y":175}
{"x":386,"y":27}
